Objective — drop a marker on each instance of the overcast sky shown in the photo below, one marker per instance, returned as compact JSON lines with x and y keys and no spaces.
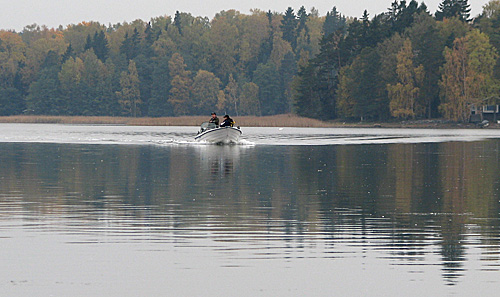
{"x":15,"y":14}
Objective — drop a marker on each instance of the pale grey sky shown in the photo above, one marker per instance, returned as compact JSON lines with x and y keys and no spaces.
{"x":15,"y":14}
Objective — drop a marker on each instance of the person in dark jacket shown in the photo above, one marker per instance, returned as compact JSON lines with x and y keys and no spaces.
{"x":228,"y":122}
{"x":214,"y":119}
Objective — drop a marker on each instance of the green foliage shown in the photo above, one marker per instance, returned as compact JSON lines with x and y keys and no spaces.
{"x":467,"y":75}
{"x":424,"y":35}
{"x":130,"y":46}
{"x":360,"y":89}
{"x":160,"y":88}
{"x":205,"y":91}
{"x":306,"y":100}
{"x":11,"y":102}
{"x":264,"y":63}
{"x":405,"y":93}
{"x":129,"y":96}
{"x":334,"y":21}
{"x":249,"y":99}
{"x":489,"y":23}
{"x":267,"y":79}
{"x":180,"y":91}
{"x":44,"y":97}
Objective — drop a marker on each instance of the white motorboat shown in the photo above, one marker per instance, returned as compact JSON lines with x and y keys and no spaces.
{"x":209,"y":132}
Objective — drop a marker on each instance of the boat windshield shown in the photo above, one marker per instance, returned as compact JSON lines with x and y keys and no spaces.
{"x":207,"y":126}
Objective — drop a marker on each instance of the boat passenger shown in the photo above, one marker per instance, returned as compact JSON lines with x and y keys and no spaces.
{"x":214,"y":119}
{"x":228,"y":122}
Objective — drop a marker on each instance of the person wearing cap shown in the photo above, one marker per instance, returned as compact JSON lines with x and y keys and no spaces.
{"x":228,"y":122}
{"x":214,"y":119}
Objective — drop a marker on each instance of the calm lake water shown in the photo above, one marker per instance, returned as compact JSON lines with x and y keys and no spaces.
{"x":145,"y":211}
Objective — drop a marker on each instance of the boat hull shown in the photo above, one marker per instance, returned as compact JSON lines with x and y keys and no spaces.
{"x":223,"y":135}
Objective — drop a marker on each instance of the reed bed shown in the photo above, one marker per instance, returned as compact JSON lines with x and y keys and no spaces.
{"x":286,"y":120}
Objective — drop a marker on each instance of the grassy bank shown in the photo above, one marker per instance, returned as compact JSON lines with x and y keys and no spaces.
{"x":285,"y":120}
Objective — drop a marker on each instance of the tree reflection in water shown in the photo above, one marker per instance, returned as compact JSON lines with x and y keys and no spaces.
{"x":407,"y":202}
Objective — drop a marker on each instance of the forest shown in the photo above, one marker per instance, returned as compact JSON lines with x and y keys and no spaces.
{"x":405,"y":63}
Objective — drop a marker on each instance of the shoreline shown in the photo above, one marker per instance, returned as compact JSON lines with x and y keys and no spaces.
{"x":285,"y":120}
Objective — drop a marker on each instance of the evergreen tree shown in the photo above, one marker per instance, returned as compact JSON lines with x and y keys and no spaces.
{"x":11,"y":102}
{"x":334,"y":21}
{"x":145,"y":68}
{"x":327,"y":64}
{"x":100,"y":46}
{"x":401,"y":16}
{"x":149,"y":38}
{"x":177,"y":22}
{"x":43,"y":98}
{"x":302,"y":28}
{"x":350,"y":46}
{"x":306,"y":99}
{"x":287,"y":72}
{"x":360,"y":89}
{"x":454,"y":8}
{"x":67,"y":54}
{"x":427,"y":42}
{"x":88,"y":43}
{"x":52,"y":60}
{"x":160,"y":86}
{"x":266,"y":77}
{"x":130,"y":46}
{"x":43,"y":95}
{"x":288,"y":26}
{"x":267,"y":45}
{"x":365,"y":40}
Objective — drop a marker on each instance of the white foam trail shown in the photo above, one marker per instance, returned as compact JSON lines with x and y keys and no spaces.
{"x":245,"y":142}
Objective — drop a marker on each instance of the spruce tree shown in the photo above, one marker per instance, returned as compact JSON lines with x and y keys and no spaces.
{"x":88,"y":43}
{"x":333,"y":21}
{"x":453,"y":8}
{"x":67,"y":54}
{"x":266,"y":46}
{"x":177,"y":21}
{"x":288,"y":26}
{"x":100,"y":45}
{"x":303,"y":17}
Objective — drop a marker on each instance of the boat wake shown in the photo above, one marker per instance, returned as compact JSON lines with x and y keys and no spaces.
{"x":241,"y":142}
{"x":174,"y":136}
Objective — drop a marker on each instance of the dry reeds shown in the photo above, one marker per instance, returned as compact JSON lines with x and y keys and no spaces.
{"x":283,"y":120}
{"x":286,"y":120}
{"x":32,"y":119}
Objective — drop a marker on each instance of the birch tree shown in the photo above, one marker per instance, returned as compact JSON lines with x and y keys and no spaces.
{"x":467,"y":75}
{"x":404,"y":94}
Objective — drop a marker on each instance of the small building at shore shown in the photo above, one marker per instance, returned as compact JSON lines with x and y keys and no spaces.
{"x":487,"y":111}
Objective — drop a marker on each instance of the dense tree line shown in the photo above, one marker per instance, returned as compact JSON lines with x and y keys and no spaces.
{"x":404,"y":63}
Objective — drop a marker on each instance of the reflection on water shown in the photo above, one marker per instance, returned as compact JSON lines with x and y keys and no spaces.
{"x":424,"y":215}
